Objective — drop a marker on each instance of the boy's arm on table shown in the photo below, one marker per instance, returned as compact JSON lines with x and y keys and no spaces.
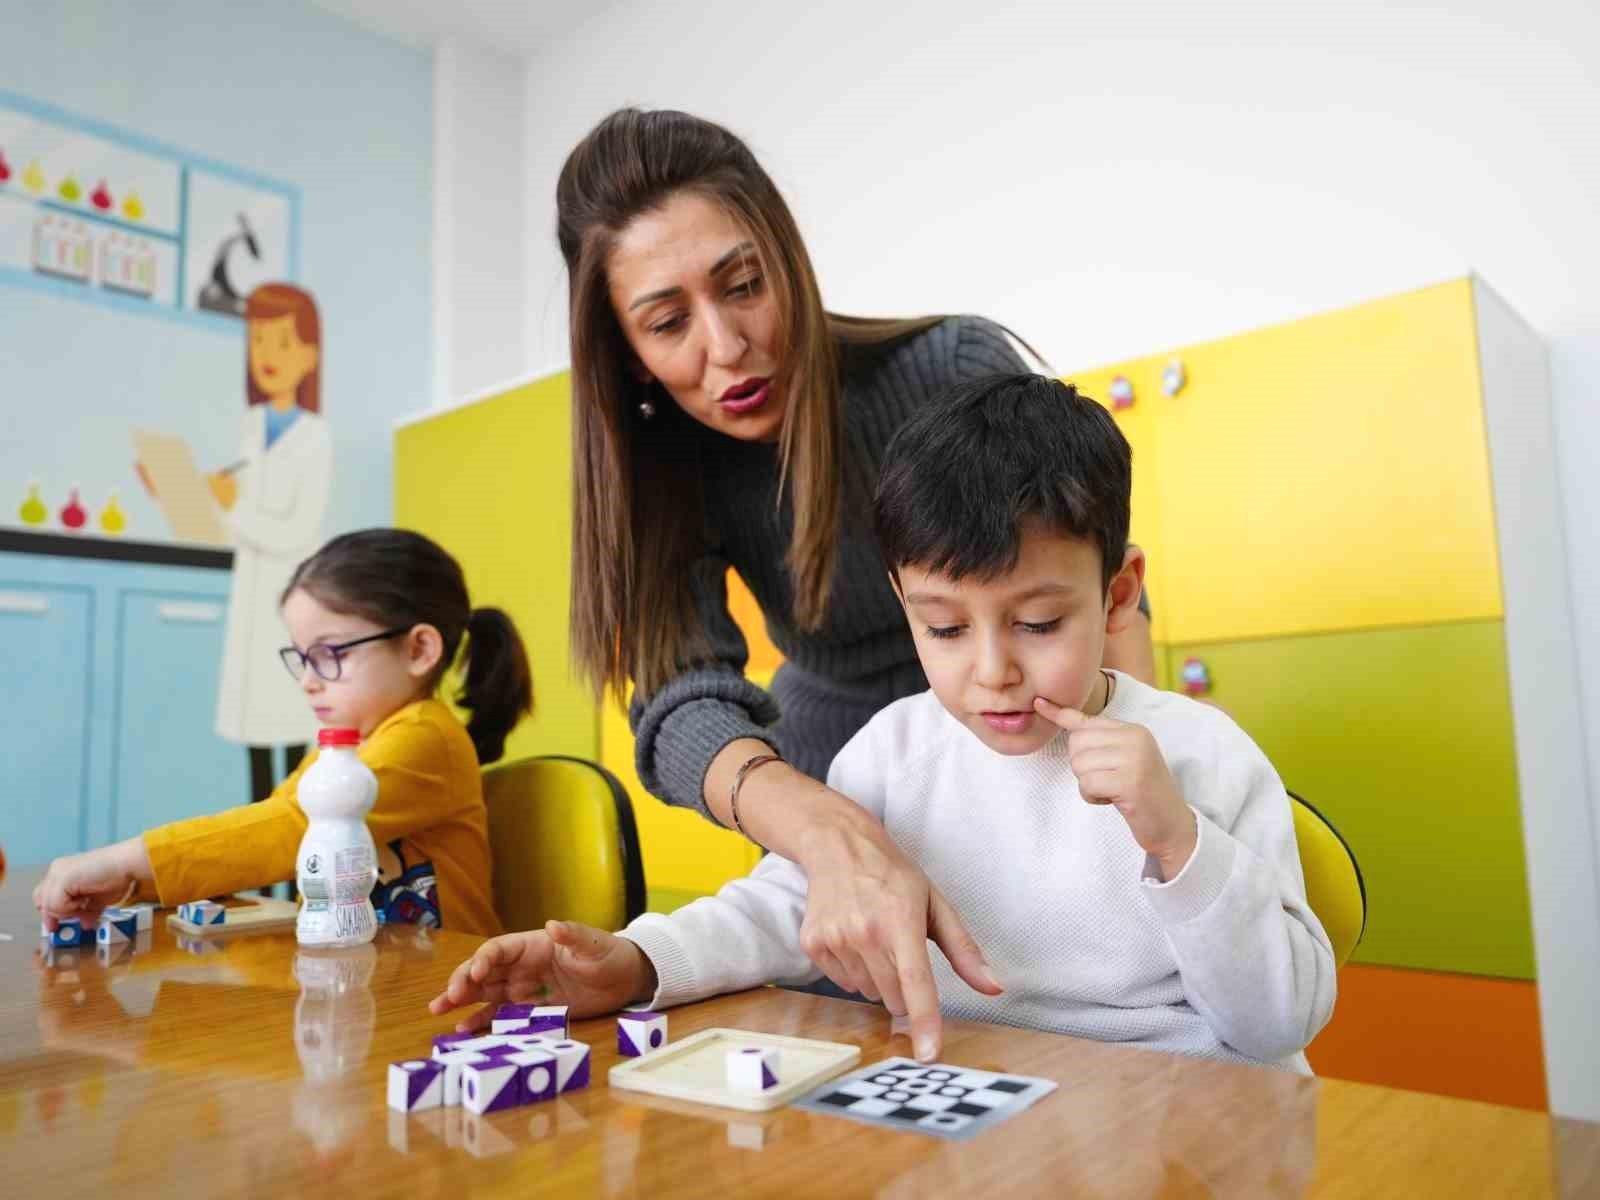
{"x":748,"y":934}
{"x":1254,"y":959}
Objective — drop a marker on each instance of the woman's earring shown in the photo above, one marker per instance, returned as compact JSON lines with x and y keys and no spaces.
{"x":647,"y":410}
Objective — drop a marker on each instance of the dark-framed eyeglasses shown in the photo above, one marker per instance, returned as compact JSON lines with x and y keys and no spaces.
{"x":328,"y":661}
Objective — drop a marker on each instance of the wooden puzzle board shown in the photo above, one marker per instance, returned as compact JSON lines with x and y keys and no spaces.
{"x":694,"y":1069}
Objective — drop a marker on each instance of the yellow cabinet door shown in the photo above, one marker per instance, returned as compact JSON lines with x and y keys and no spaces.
{"x":685,"y":855}
{"x":492,"y":483}
{"x":1402,"y":738}
{"x":1138,"y":423}
{"x":1329,"y":474}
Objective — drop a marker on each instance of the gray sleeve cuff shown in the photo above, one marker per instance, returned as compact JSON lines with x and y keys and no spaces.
{"x":685,"y":725}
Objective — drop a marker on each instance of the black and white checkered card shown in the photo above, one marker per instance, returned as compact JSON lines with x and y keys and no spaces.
{"x":931,"y":1098}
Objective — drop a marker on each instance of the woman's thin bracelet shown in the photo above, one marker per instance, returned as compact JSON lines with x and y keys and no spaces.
{"x":749,"y":764}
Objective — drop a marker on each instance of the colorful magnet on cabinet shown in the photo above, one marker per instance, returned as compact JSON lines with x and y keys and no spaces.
{"x":1196,"y":677}
{"x":1174,"y":377}
{"x":1121,"y":393}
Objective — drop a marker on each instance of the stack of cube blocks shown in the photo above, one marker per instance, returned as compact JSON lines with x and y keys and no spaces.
{"x":527,"y":1057}
{"x":117,"y":924}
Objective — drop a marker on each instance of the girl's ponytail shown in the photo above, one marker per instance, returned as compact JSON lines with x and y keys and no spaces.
{"x":497,"y":686}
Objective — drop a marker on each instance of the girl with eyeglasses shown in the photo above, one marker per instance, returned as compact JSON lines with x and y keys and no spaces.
{"x":375,"y":618}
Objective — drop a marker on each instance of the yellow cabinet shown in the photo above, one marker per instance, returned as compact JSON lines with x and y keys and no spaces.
{"x":1403,"y":739}
{"x":491,"y":481}
{"x":1332,"y":473}
{"x":1325,"y":505}
{"x":685,"y":855}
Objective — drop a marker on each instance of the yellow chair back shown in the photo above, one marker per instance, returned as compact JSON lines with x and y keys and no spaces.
{"x":565,"y":846}
{"x":1334,"y":887}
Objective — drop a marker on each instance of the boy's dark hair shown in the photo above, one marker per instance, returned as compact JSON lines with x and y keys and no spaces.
{"x":394,"y":577}
{"x":962,"y":476}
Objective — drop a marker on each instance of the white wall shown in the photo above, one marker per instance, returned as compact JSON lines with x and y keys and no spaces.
{"x":1116,"y":180}
{"x":480,"y":219}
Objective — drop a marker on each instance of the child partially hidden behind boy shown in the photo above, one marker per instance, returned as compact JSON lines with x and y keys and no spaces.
{"x":1125,"y":856}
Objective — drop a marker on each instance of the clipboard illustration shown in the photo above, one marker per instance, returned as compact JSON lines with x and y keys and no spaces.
{"x":181,"y":489}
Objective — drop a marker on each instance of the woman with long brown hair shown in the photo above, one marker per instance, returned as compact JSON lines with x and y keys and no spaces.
{"x":721,"y":417}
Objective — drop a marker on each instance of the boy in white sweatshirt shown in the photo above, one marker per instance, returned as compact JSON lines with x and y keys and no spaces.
{"x":1125,"y":857}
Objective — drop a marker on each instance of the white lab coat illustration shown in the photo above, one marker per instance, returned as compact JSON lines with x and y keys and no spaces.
{"x":276,"y":522}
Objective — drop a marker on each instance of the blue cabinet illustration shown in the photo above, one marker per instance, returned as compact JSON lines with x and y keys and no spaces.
{"x":168,"y":762}
{"x":109,"y":655}
{"x":46,"y":634}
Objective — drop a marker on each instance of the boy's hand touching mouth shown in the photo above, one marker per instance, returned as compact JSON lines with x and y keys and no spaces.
{"x":1120,"y":764}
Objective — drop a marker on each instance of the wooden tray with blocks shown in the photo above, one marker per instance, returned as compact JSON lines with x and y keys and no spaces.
{"x":241,"y":914}
{"x":695,"y":1068}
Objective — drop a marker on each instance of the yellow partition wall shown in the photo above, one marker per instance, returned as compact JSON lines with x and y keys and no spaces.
{"x":685,"y":855}
{"x":491,"y":483}
{"x":1317,"y":507}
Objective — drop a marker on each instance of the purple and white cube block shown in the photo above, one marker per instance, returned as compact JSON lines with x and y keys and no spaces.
{"x":479,"y":1043}
{"x":68,"y":934}
{"x":444,"y":1043}
{"x":752,"y":1069}
{"x":454,"y":1062}
{"x":530,"y":1018}
{"x":640,"y":1032}
{"x":572,"y":1063}
{"x":539,"y":1074}
{"x":491,"y":1086}
{"x":416,"y":1084}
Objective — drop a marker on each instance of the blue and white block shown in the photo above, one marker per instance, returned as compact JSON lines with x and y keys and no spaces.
{"x":572,"y":1063}
{"x":752,"y":1070}
{"x":491,"y":1086}
{"x":416,"y":1084}
{"x":640,"y":1032}
{"x":207,"y":912}
{"x":69,"y":934}
{"x":117,"y":925}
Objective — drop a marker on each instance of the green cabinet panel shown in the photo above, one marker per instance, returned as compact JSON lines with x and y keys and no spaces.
{"x":1403,"y":737}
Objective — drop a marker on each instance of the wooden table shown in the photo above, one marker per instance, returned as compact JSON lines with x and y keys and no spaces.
{"x":254,"y":1069}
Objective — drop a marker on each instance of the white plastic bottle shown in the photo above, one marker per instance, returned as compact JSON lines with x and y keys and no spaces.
{"x":338,"y":863}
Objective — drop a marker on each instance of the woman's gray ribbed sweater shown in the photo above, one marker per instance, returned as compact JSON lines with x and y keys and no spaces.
{"x":862,"y":657}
